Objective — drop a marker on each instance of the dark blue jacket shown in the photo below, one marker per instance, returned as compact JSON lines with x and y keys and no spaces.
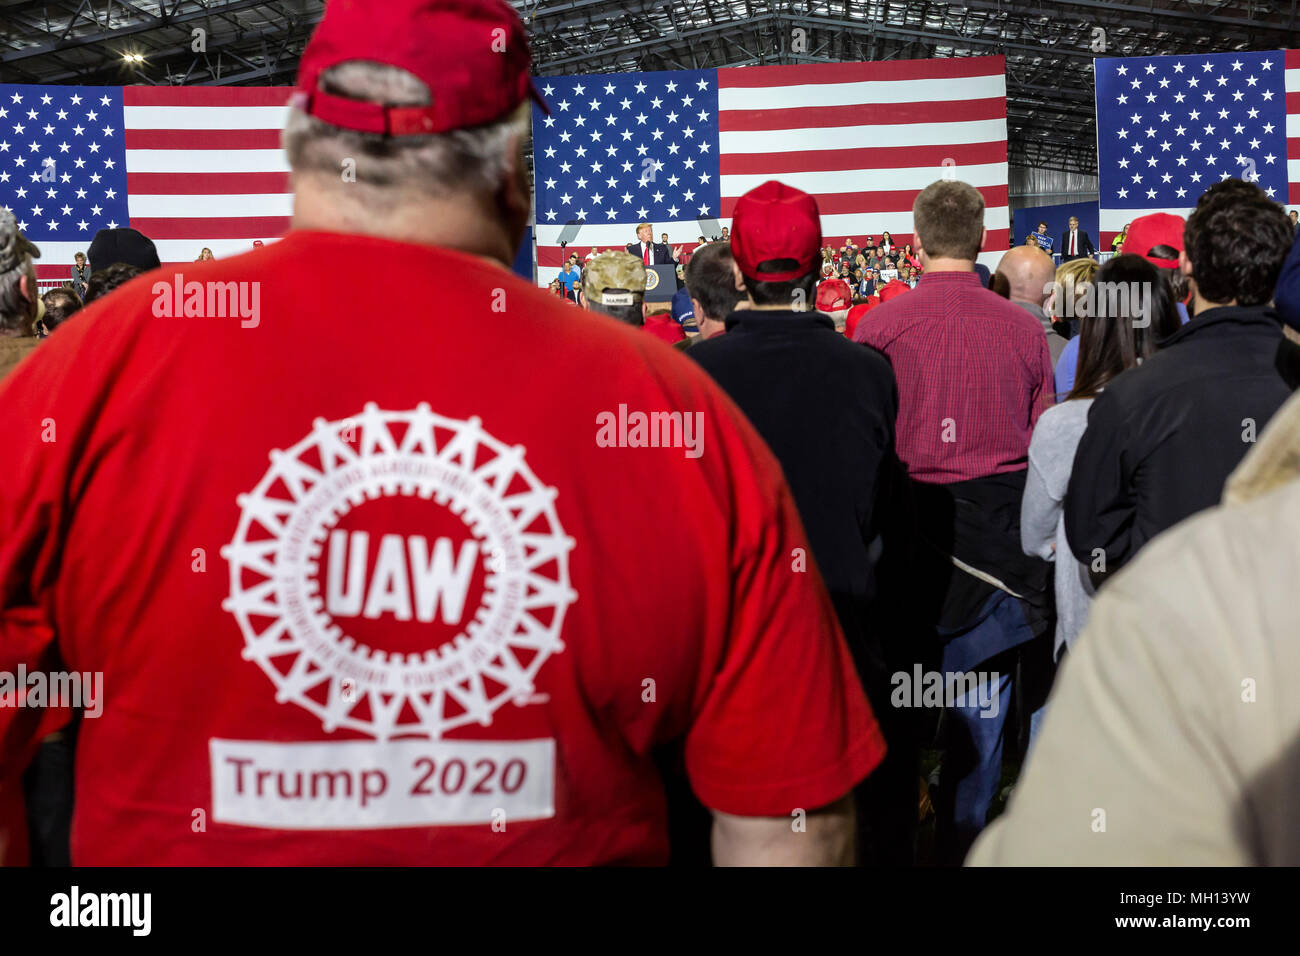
{"x":1162,"y":438}
{"x":826,"y":407}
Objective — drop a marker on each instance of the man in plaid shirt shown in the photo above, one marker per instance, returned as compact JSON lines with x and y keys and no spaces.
{"x":973,"y":374}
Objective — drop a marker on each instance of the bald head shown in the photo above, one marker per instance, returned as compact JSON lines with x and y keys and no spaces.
{"x":1029,"y":272}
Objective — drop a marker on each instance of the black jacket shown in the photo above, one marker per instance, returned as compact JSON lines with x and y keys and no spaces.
{"x":661,"y":254}
{"x":1085,"y":246}
{"x":1162,"y":438}
{"x":826,"y":407}
{"x":977,"y":522}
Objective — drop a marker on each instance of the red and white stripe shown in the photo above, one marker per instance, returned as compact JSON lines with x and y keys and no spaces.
{"x":863,"y":138}
{"x":204,"y":168}
{"x":1293,"y":126}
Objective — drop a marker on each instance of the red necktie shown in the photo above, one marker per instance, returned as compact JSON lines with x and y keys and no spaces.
{"x":645,"y":253}
{"x":1074,"y":243}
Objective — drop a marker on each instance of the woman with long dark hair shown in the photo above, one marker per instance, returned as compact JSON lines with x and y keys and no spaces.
{"x":1126,"y":313}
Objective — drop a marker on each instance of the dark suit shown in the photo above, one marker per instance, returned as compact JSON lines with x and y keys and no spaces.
{"x":1085,"y":246}
{"x":660,"y":254}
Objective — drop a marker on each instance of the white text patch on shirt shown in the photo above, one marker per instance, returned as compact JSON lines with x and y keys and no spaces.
{"x":358,"y":785}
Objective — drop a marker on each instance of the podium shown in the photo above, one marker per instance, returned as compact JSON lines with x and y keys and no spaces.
{"x":660,"y":283}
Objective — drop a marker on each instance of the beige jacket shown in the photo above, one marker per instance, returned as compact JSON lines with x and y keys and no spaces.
{"x":13,"y":350}
{"x":1173,"y":735}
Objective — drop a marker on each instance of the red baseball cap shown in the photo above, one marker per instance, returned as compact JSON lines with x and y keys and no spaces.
{"x":856,"y":313}
{"x":834,"y":295}
{"x":1156,"y":229}
{"x":893,"y":290}
{"x":472,"y":54}
{"x":776,"y":221}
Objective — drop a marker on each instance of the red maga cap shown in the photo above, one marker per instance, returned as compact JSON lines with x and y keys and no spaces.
{"x":833,"y":295}
{"x":472,"y":54}
{"x":776,"y":221}
{"x":893,"y":290}
{"x":1156,"y":229}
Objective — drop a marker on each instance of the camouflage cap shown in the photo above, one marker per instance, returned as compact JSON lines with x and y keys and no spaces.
{"x":614,"y":278}
{"x":14,"y":246}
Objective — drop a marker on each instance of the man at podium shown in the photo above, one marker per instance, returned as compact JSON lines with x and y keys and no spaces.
{"x":652,"y":253}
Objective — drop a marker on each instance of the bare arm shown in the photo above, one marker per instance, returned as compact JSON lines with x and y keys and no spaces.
{"x":824,"y":838}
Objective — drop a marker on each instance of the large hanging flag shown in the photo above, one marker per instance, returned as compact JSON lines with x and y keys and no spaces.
{"x":1169,"y":127}
{"x":678,"y":148}
{"x":188,"y":166}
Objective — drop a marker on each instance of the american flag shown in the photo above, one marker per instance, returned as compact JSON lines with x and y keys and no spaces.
{"x":187,"y":166}
{"x":679,"y":148}
{"x":1169,"y":127}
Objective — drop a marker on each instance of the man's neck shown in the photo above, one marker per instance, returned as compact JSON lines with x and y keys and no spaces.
{"x":455,"y":223}
{"x":949,"y":265}
{"x":779,"y":307}
{"x":1200,"y":305}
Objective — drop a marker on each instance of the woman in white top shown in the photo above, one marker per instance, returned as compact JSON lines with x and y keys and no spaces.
{"x":1109,"y":343}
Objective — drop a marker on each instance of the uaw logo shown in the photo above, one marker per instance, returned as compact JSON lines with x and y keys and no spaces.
{"x":651,"y":280}
{"x":401,"y":574}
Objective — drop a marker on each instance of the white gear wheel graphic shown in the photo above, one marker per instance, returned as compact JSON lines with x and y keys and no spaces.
{"x":285,"y":521}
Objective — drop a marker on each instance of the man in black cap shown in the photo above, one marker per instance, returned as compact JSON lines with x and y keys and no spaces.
{"x":123,"y":245}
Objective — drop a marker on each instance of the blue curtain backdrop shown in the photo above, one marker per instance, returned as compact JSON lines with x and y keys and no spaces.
{"x":1026,"y":221}
{"x":523,"y":265}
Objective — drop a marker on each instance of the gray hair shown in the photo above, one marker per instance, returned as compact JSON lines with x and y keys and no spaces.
{"x":441,"y":164}
{"x":17,"y":311}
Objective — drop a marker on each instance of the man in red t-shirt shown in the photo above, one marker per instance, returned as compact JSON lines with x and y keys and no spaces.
{"x":380,"y":599}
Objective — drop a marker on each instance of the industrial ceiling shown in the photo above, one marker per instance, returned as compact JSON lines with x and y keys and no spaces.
{"x":1049,"y":47}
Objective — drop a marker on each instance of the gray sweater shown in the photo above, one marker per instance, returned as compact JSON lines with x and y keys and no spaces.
{"x":1042,"y":521}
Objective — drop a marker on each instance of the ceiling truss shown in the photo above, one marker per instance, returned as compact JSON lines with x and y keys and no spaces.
{"x":1049,"y":46}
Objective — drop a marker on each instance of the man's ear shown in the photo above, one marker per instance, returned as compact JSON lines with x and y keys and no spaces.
{"x":984,"y":238}
{"x":1185,"y":264}
{"x":582,"y":298}
{"x":739,"y":279}
{"x":513,"y":192}
{"x":699,"y":312}
{"x":25,"y":289}
{"x":645,"y":308}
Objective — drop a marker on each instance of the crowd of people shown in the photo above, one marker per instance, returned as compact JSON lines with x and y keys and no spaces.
{"x":860,"y":272}
{"x":706,"y":593}
{"x":1025,"y":441}
{"x":116,"y":256}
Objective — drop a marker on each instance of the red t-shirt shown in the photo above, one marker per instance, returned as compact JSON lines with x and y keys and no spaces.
{"x":378,"y":595}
